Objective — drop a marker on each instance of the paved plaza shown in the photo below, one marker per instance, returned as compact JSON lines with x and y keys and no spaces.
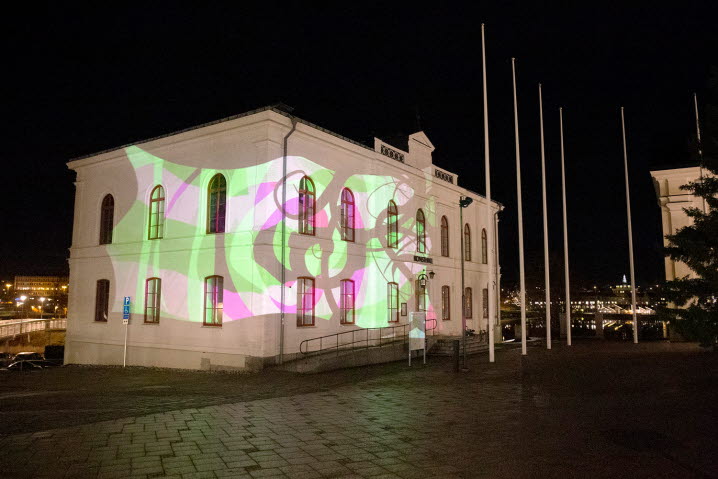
{"x":597,"y":409}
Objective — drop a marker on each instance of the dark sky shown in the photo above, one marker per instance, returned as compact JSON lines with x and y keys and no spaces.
{"x":86,"y":80}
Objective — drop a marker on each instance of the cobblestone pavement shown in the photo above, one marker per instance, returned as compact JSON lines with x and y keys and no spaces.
{"x":597,"y":409}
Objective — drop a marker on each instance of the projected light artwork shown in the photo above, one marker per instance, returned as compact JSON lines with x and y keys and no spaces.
{"x":178,"y":209}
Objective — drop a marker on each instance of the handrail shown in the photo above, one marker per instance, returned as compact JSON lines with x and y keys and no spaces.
{"x":336,"y":344}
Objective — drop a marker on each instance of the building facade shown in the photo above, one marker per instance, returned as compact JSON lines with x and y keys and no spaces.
{"x":673,"y":201}
{"x":225,"y":268}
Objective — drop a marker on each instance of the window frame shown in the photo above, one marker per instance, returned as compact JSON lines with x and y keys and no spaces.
{"x":157,"y":218}
{"x":307,"y":205}
{"x":392,"y":301}
{"x":220,"y":209}
{"x":444,"y":236}
{"x":154,"y":309}
{"x":420,"y":231}
{"x":302,"y":283}
{"x":467,"y":242}
{"x":484,"y":247}
{"x":468,"y":303}
{"x":102,"y":300}
{"x":347,"y":215}
{"x":445,"y":303}
{"x":107,"y":219}
{"x":347,"y":308}
{"x":392,"y":225}
{"x":485,"y":302}
{"x":217,"y":300}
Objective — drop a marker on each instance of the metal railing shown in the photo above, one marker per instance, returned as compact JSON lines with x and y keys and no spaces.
{"x":21,"y":326}
{"x":359,"y":339}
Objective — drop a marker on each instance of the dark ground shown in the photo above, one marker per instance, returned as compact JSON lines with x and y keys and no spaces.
{"x":598,"y":409}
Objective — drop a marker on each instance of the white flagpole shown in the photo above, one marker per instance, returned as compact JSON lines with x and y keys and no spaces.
{"x":545,"y":227}
{"x":521,"y":217}
{"x":630,"y":233}
{"x":489,"y":212}
{"x":565,"y":236}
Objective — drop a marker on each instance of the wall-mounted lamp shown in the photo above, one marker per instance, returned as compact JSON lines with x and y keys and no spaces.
{"x":431,"y":274}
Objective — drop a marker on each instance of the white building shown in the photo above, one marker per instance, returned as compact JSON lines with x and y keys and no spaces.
{"x":673,"y":201}
{"x":189,"y":226}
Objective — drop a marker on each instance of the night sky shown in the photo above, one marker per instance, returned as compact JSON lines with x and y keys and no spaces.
{"x":84,"y":80}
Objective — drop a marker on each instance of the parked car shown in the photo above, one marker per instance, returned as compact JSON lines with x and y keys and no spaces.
{"x":29,"y":356}
{"x":25,"y":366}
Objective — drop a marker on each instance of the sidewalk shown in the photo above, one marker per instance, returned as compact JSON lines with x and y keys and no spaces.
{"x":646,"y":412}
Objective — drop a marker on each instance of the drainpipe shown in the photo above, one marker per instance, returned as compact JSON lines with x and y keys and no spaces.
{"x":284,"y":238}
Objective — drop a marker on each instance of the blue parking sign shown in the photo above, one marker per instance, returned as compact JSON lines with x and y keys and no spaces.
{"x":127,"y":301}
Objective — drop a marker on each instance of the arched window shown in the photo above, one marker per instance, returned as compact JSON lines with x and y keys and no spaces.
{"x":157,"y":213}
{"x":392,"y":225}
{"x":107,"y":218}
{"x":392,"y":302}
{"x":467,"y":242}
{"x":102,"y":300}
{"x":420,"y":231}
{"x":444,"y":236}
{"x":346,"y":301}
{"x":347,"y":215}
{"x":307,"y":204}
{"x":216,"y":204}
{"x":484,"y":248}
{"x":213,"y":300}
{"x":485,"y":301}
{"x":468,"y":301}
{"x":445,"y":303}
{"x":153,"y":291}
{"x":305,"y":301}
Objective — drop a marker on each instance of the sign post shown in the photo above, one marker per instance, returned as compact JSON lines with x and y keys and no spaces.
{"x":417,"y":333}
{"x":126,"y":322}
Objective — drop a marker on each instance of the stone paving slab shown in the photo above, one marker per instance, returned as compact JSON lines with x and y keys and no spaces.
{"x":560,"y":413}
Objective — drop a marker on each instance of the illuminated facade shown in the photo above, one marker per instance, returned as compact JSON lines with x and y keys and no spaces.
{"x":190,"y":227}
{"x":672,"y":200}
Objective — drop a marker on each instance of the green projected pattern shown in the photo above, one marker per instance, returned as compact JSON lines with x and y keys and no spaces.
{"x":246,"y":250}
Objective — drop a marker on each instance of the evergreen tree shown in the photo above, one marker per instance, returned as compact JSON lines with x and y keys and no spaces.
{"x":697,"y":245}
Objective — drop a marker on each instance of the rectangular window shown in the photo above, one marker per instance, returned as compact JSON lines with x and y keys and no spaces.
{"x":346,"y":301}
{"x":102,"y":300}
{"x":305,"y":301}
{"x":445,"y":303}
{"x":392,"y":302}
{"x":153,"y":288}
{"x":421,"y":295}
{"x":468,"y":303}
{"x":485,"y":302}
{"x":213,"y":300}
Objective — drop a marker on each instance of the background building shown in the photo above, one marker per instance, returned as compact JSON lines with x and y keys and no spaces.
{"x":673,"y":200}
{"x":37,"y":296}
{"x":189,"y":227}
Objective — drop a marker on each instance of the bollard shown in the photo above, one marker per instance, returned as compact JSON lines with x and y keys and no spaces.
{"x":457,"y":348}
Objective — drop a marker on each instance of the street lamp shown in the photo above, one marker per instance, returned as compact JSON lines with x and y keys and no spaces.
{"x":464,"y":201}
{"x":42,"y":303}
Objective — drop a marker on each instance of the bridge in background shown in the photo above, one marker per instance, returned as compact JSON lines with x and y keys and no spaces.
{"x":15,"y":327}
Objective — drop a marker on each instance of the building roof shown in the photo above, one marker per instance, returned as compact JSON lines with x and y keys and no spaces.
{"x":279,"y":109}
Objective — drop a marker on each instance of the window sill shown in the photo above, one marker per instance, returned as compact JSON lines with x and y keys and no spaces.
{"x":151,"y":323}
{"x":212,"y":326}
